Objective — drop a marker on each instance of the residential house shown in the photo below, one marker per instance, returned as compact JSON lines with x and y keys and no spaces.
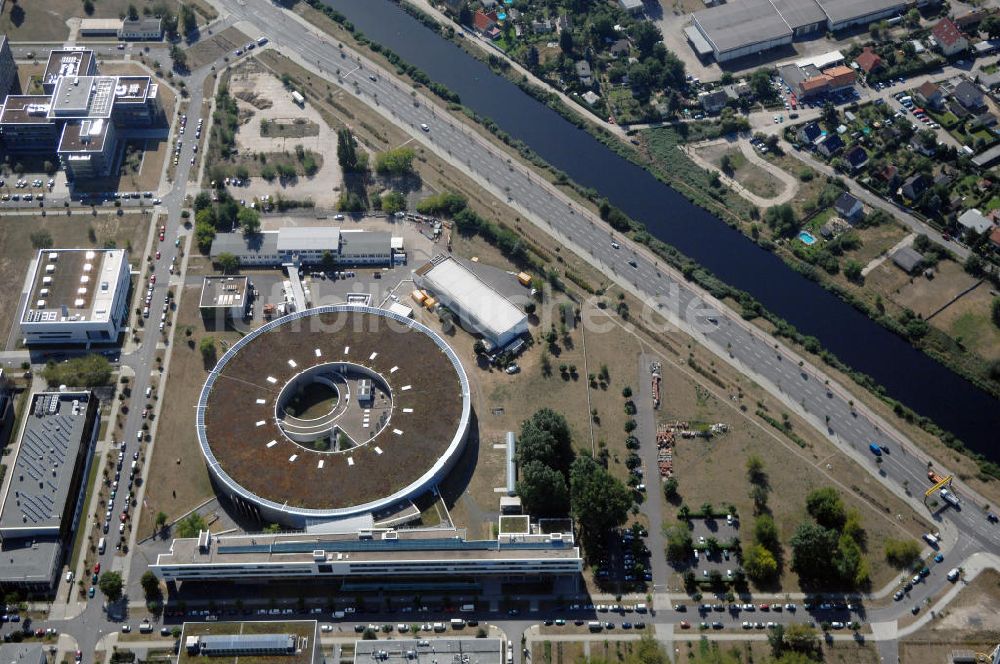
{"x":809,"y":133}
{"x":590,"y":97}
{"x":739,"y":90}
{"x":583,"y":73}
{"x":619,"y":48}
{"x":931,"y":95}
{"x":714,"y":102}
{"x":917,"y":143}
{"x":984,"y":120}
{"x":995,"y":238}
{"x":848,"y":207}
{"x":632,"y":6}
{"x":989,"y":81}
{"x":949,"y":38}
{"x":541,"y":27}
{"x":907,"y":259}
{"x":563,"y":23}
{"x":972,"y":220}
{"x":968,"y":97}
{"x":889,"y":175}
{"x":494,"y":33}
{"x":830,"y":145}
{"x":869,"y":60}
{"x":971,"y":20}
{"x":914,"y":186}
{"x":856,"y":158}
{"x":483,"y":21}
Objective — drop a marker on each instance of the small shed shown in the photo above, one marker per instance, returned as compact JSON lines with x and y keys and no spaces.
{"x":908,"y":259}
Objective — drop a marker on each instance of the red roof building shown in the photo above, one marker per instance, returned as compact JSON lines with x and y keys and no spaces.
{"x":949,"y":37}
{"x":483,"y":21}
{"x":869,"y":60}
{"x":840,"y":77}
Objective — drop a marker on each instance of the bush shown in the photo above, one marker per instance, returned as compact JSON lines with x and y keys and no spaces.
{"x":88,"y":371}
{"x":902,"y":553}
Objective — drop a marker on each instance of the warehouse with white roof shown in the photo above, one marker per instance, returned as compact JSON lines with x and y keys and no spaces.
{"x":479,"y":306}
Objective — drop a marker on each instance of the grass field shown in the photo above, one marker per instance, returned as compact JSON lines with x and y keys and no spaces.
{"x":182,"y":481}
{"x":127,"y":231}
{"x":45,"y":20}
{"x":560,"y":652}
{"x":698,"y":651}
{"x":753,"y":177}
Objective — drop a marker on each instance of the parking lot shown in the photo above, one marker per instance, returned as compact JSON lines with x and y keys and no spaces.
{"x":712,"y":539}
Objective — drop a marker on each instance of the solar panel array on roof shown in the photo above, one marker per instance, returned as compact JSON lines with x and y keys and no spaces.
{"x":247,"y":644}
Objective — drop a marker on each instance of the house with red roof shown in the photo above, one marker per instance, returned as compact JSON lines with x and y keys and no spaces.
{"x":948,"y":37}
{"x":868,"y":60}
{"x":483,"y":21}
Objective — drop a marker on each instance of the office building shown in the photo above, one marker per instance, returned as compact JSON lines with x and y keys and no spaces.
{"x":43,"y":494}
{"x":76,"y":296}
{"x":227,"y":296}
{"x":144,"y":28}
{"x":8,"y":69}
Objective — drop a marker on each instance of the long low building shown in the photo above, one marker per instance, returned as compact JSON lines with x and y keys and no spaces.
{"x":43,"y":495}
{"x":76,"y":296}
{"x":478,"y":305}
{"x":748,"y":27}
{"x":425,"y":651}
{"x":310,"y":245}
{"x":367,"y":554}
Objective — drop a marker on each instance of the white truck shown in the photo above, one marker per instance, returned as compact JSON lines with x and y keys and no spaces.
{"x":298,"y":98}
{"x":950,"y":498}
{"x":933,"y":539}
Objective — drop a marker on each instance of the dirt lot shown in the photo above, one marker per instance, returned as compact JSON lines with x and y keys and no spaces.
{"x":273,"y":103}
{"x":969,"y":622}
{"x":925,"y":296}
{"x":209,"y":50}
{"x":74,"y":231}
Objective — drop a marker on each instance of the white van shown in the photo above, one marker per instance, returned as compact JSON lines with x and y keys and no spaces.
{"x":595,"y":626}
{"x":466,"y":608}
{"x":439,"y":627}
{"x":101,"y":545}
{"x":457,"y":623}
{"x":953,"y":575}
{"x":149,"y":391}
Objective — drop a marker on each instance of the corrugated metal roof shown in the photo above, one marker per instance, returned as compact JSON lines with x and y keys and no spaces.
{"x":322,"y":238}
{"x":240,"y":245}
{"x":248,"y":642}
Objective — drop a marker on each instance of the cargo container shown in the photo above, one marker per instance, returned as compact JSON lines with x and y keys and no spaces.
{"x":524,"y":278}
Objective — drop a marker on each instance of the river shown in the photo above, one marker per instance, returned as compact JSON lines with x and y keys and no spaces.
{"x":907,"y":374}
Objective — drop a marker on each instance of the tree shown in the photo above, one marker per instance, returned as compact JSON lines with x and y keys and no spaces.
{"x":393,"y":202}
{"x":41,"y":239}
{"x":776,"y":639}
{"x":545,"y":437}
{"x":543,"y":490}
{"x":133,"y":13}
{"x":765,"y":533}
{"x":111,"y":585}
{"x":566,"y":41}
{"x":679,"y":544}
{"x":249,"y":220}
{"x":347,"y":152}
{"x":830,"y":116}
{"x":161,"y":520}
{"x":646,"y":35}
{"x":191,"y":525}
{"x":812,"y":545}
{"x":228,"y":263}
{"x":178,"y":57}
{"x":991,"y":26}
{"x":755,"y":470}
{"x":92,"y":370}
{"x":670,"y":488}
{"x":824,"y":505}
{"x":395,"y":162}
{"x":531,"y":58}
{"x":150,"y":586}
{"x":760,"y":564}
{"x":88,"y":8}
{"x":186,"y":19}
{"x":781,"y":219}
{"x":204,"y":235}
{"x":995,"y":311}
{"x":207,"y":349}
{"x":852,"y":270}
{"x":599,"y":501}
{"x":974,"y":265}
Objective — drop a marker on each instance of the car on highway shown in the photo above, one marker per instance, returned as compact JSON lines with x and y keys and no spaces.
{"x":424,"y":127}
{"x":875,"y":449}
{"x":992,"y":518}
{"x":615,"y":245}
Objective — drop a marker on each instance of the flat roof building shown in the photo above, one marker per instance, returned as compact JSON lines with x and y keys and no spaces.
{"x":425,"y":651}
{"x":369,"y":553}
{"x":225,"y":295}
{"x":747,"y":27}
{"x":308,"y":245}
{"x":142,"y":28}
{"x":100,"y":27}
{"x":479,"y":306}
{"x":43,"y":494}
{"x":22,"y":653}
{"x":8,"y":68}
{"x":76,"y":296}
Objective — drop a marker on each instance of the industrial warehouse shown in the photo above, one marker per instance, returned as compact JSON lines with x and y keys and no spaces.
{"x":76,"y":296}
{"x":747,"y":27}
{"x":480,"y":307}
{"x":43,"y":496}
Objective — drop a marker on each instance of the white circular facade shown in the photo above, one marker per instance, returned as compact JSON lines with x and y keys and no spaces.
{"x":392,"y":426}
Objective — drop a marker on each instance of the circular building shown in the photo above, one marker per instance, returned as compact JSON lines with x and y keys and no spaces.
{"x":330,"y":413}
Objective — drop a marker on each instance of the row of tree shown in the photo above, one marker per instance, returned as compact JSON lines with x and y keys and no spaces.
{"x":554,"y":481}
